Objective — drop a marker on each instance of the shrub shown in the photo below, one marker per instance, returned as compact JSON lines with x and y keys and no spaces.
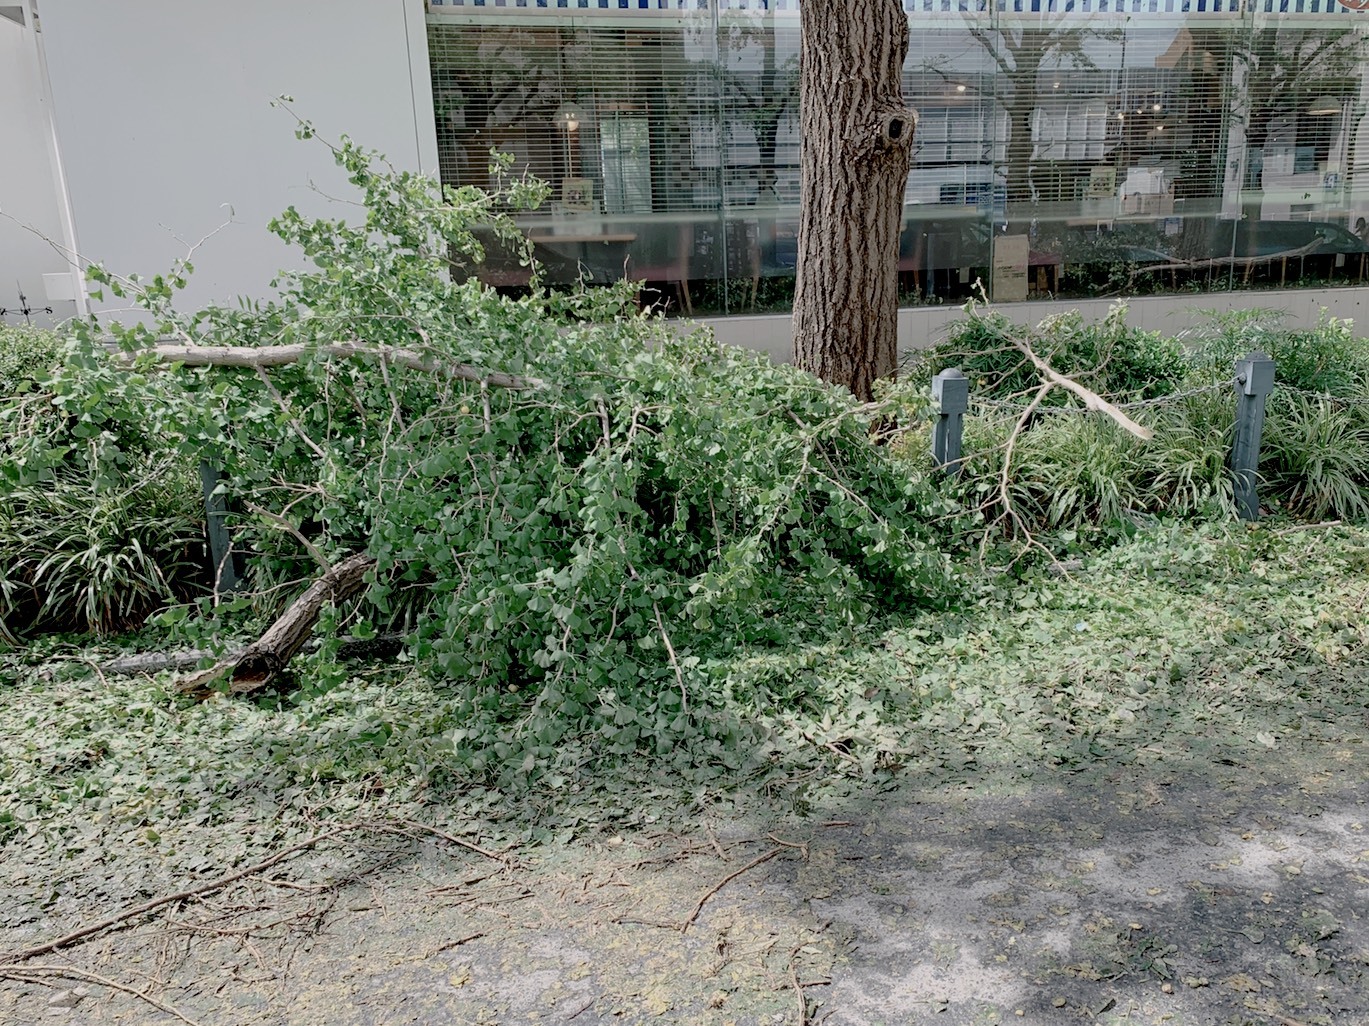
{"x":1108,"y":356}
{"x":111,"y":528}
{"x":1327,"y":359}
{"x":77,"y":558}
{"x":1314,"y":457}
{"x":577,"y":551}
{"x":1076,"y":472}
{"x":26,"y":354}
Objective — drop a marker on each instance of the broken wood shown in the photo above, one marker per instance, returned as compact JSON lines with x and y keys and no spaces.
{"x":1092,"y":400}
{"x":13,"y":959}
{"x":259,"y":358}
{"x":33,"y":973}
{"x":188,"y":659}
{"x":257,"y":664}
{"x":155,"y":662}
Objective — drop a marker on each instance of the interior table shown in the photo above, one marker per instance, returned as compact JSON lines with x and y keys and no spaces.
{"x":596,"y":250}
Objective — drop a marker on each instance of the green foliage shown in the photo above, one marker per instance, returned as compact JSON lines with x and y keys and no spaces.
{"x":1079,"y":474}
{"x":1329,"y":358}
{"x":575,"y":555}
{"x":99,"y":524}
{"x":1109,"y":356}
{"x":1314,"y":457}
{"x":1208,"y":642}
{"x":77,"y":557}
{"x":26,"y":354}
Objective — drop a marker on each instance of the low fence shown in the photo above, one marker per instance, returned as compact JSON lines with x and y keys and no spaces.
{"x":1252,"y":383}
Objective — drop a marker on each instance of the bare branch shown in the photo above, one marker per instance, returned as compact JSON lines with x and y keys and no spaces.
{"x":1092,"y":400}
{"x":260,"y":357}
{"x":29,"y":972}
{"x":293,"y":531}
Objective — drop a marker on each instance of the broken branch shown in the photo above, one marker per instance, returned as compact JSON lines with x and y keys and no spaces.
{"x":208,"y":887}
{"x":1092,"y":400}
{"x":257,"y":664}
{"x":258,"y":358}
{"x":29,"y":971}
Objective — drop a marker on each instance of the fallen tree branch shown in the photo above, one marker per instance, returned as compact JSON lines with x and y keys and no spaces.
{"x":257,"y":664}
{"x":1092,"y":400}
{"x":13,"y":961}
{"x":291,"y":530}
{"x":155,"y":662}
{"x":28,"y":972}
{"x":414,"y":824}
{"x":258,"y":358}
{"x":208,"y":887}
{"x":699,"y":905}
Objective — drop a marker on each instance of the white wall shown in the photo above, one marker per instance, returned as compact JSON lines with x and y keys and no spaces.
{"x":164,"y":119}
{"x":28,"y":189}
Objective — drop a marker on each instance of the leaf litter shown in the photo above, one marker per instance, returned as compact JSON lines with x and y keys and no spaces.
{"x":1015,"y":813}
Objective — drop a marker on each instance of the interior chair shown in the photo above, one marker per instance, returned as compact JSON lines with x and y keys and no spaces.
{"x":669,"y":266}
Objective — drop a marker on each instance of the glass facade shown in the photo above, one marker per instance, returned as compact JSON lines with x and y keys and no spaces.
{"x":1065,"y":148}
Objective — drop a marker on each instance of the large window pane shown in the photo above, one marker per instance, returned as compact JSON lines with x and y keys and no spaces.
{"x":1117,"y":147}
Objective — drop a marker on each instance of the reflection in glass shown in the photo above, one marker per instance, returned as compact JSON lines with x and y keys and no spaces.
{"x":1178,"y":148}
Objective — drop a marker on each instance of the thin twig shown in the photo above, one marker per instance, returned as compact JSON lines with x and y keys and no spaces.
{"x":285,"y":409}
{"x":456,"y":943}
{"x":450,"y":838}
{"x":1307,"y":527}
{"x":713,"y":839}
{"x":798,"y":989}
{"x":25,"y":972}
{"x":675,"y":663}
{"x":98,"y":672}
{"x":208,"y":887}
{"x":698,"y":907}
{"x":293,"y":531}
{"x":585,"y":1006}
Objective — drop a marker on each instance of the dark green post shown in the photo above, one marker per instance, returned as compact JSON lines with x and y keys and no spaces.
{"x":215,"y":512}
{"x":1254,"y":381}
{"x":951,"y":393}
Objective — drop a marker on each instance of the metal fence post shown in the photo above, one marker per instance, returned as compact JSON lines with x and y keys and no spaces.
{"x":220,"y":548}
{"x":951,"y":393}
{"x":1254,"y":381}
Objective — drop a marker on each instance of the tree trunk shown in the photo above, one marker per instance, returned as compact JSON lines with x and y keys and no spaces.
{"x":856,"y":151}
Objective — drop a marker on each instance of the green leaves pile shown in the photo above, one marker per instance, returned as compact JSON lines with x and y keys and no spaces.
{"x":573,"y":554}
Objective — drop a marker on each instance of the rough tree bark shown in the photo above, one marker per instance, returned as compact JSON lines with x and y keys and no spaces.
{"x":855,"y":153}
{"x":256,"y":665}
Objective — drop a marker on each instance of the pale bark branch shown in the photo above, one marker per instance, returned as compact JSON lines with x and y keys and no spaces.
{"x":30,"y":972}
{"x":261,"y":357}
{"x":1092,"y":400}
